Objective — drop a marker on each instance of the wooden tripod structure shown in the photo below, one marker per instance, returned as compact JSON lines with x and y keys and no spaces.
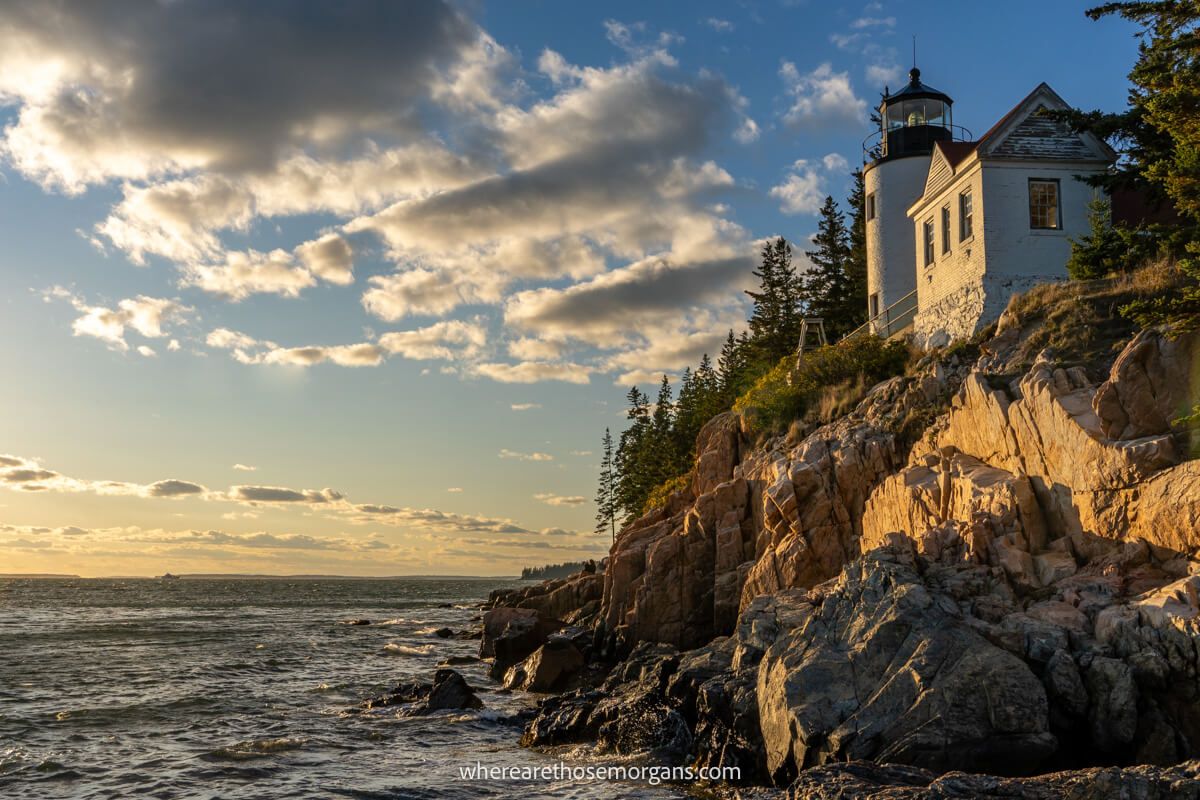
{"x":811,"y":328}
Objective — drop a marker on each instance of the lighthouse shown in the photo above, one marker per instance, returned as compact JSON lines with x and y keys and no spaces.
{"x":911,"y":122}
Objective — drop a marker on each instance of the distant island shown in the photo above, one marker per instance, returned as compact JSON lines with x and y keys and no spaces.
{"x":551,"y":571}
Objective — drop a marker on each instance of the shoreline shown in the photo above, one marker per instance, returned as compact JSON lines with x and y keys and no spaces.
{"x":985,"y":569}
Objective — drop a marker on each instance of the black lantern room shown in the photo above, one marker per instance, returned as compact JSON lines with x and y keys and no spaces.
{"x":913,"y":119}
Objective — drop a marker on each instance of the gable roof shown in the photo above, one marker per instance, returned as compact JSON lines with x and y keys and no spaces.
{"x":1022,"y":132}
{"x":955,"y":152}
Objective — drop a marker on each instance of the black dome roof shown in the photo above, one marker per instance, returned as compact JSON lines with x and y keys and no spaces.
{"x":915,"y":90}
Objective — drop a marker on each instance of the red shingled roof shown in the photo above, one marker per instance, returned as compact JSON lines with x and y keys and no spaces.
{"x":955,"y":152}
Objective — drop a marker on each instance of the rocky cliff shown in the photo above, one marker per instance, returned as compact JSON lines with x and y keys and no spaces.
{"x":991,"y":565}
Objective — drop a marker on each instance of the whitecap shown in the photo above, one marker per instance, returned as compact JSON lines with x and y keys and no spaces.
{"x":259,"y":748}
{"x":408,"y":650}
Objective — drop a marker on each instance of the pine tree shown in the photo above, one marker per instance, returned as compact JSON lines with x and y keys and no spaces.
{"x":775,"y":320}
{"x":633,"y":478}
{"x":827,"y":284}
{"x":1161,"y":132}
{"x":606,"y":493}
{"x":687,"y":413}
{"x":663,"y":458}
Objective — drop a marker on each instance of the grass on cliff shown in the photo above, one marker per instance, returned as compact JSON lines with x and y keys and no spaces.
{"x":1081,"y":321}
{"x":826,"y":383}
{"x":660,"y":495}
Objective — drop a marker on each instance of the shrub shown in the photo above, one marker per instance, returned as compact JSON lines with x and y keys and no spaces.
{"x":661,"y":494}
{"x":789,"y":390}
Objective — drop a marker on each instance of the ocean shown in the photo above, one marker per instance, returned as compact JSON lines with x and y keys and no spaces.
{"x":249,"y":688}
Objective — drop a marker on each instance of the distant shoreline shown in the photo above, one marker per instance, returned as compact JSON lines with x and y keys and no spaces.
{"x":250,"y":576}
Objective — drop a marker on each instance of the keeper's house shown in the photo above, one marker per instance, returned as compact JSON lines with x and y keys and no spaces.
{"x":955,"y":226}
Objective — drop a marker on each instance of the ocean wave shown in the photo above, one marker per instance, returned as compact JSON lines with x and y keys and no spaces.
{"x":395,"y":621}
{"x":259,"y":748}
{"x":407,"y":649}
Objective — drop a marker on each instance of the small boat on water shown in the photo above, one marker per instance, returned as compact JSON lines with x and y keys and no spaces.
{"x":166,"y":576}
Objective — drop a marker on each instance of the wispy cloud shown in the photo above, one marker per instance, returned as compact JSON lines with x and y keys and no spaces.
{"x":518,"y":456}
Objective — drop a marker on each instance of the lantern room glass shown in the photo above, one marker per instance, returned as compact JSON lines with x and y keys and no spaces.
{"x":918,"y":111}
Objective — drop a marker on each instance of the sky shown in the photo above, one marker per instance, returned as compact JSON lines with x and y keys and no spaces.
{"x":355,"y":288}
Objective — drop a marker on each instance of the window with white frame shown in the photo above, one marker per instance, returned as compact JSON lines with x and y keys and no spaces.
{"x":1043,"y":204}
{"x":945,"y":229}
{"x":871,"y":206}
{"x":927,"y":240}
{"x":966,"y":216}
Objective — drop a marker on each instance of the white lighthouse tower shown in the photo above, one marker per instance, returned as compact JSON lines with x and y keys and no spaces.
{"x":897,"y":156}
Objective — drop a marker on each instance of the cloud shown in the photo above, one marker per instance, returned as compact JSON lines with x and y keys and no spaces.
{"x":329,"y":257}
{"x":609,"y":307}
{"x":525,"y":406}
{"x":279,"y":494}
{"x":447,"y":340}
{"x":174,"y":488}
{"x":534,"y":372}
{"x":512,"y":454}
{"x":431,"y":519}
{"x":476,"y":184}
{"x":884,"y":74}
{"x":551,"y":499}
{"x":604,"y":168}
{"x":244,"y":468}
{"x":803,"y":190}
{"x":719,"y":25}
{"x":822,"y":99}
{"x":100,"y":94}
{"x":251,"y":272}
{"x":455,"y":489}
{"x":28,"y":475}
{"x":142,"y":538}
{"x":146,"y":316}
{"x":873,"y":22}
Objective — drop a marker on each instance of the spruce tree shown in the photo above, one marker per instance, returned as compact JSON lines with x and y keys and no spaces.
{"x":1162,"y":129}
{"x":775,"y":320}
{"x":827,"y":283}
{"x":633,"y":478}
{"x":663,"y":459}
{"x":606,"y":493}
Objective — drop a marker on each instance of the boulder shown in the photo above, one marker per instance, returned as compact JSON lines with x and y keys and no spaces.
{"x":404,"y":694}
{"x":512,"y":634}
{"x":451,"y":691}
{"x":1147,"y":387}
{"x":887,"y":670}
{"x":548,"y":669}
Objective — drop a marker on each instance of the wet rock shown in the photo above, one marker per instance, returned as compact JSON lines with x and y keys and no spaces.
{"x":403,"y":694}
{"x":550,"y":668}
{"x":443,"y":633}
{"x":356,"y":622}
{"x":512,"y":634}
{"x":451,"y":691}
{"x":456,"y":661}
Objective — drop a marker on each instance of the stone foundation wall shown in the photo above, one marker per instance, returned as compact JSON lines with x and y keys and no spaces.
{"x":964,"y":312}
